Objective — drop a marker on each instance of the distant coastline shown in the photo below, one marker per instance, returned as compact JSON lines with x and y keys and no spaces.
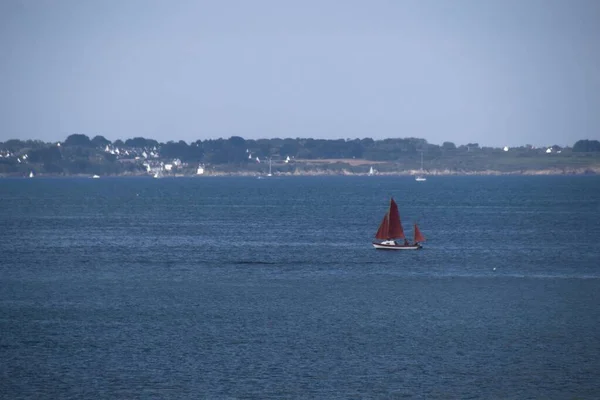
{"x":325,"y":172}
{"x":80,"y":156}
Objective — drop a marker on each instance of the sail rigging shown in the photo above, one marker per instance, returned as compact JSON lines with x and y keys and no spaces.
{"x":391,"y":227}
{"x":384,"y":227}
{"x":418,"y":235}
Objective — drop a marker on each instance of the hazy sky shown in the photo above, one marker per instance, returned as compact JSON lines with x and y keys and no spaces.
{"x":497,"y":72}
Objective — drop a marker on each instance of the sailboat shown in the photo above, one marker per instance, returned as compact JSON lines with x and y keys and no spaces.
{"x":31,"y":174}
{"x":421,"y":177}
{"x":269,"y":174}
{"x":390,"y":229}
{"x":371,"y":171}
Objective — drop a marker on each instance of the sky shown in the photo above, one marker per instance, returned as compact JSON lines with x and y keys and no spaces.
{"x":498,"y":73}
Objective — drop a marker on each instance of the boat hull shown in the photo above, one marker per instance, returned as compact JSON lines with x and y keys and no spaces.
{"x":384,"y":246}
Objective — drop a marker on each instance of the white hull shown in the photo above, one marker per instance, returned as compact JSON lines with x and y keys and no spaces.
{"x":383,"y":246}
{"x":420,"y":179}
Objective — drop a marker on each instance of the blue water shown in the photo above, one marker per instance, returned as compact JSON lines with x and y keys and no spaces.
{"x":234,"y":288}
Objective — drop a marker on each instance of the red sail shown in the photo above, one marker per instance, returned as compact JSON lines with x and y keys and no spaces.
{"x":395,"y":227}
{"x":418,"y":235}
{"x":382,"y":232}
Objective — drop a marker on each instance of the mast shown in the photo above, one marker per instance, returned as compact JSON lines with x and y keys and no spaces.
{"x":421,"y":162}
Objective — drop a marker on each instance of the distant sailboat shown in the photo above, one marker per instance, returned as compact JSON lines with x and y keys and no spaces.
{"x":421,"y":177}
{"x":31,"y":175}
{"x":391,"y":229}
{"x":269,"y":174}
{"x":371,"y":171}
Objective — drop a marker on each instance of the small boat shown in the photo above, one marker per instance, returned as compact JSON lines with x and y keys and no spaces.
{"x":269,"y":174}
{"x":31,"y":175}
{"x":421,"y":177}
{"x":390,"y":229}
{"x":371,"y":172}
{"x":95,"y":176}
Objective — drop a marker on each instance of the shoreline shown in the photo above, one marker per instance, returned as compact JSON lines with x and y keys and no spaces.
{"x":319,"y":172}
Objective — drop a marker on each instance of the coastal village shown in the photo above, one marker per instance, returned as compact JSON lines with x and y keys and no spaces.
{"x":148,"y":161}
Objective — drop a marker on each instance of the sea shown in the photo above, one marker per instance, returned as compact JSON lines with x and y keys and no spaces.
{"x":245,"y":288}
